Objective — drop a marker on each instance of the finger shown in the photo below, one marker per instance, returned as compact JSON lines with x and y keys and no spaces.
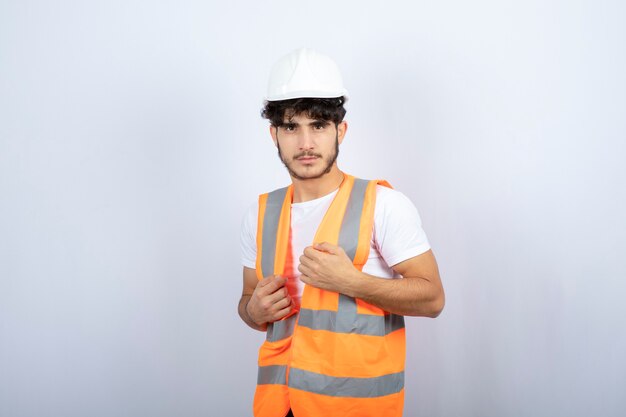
{"x":305,"y":278}
{"x":282,"y":313}
{"x":276,"y":296}
{"x":305,"y":270}
{"x":307,"y":261}
{"x":281,"y":304}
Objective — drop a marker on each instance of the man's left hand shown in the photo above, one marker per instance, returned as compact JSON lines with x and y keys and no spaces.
{"x":327,"y":266}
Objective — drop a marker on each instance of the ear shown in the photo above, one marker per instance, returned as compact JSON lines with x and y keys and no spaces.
{"x":342,"y":128}
{"x":273,"y":134}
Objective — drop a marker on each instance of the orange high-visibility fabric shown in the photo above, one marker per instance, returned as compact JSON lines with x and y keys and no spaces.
{"x":321,"y":357}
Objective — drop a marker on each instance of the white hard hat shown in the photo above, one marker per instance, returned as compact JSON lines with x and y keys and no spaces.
{"x":305,"y":73}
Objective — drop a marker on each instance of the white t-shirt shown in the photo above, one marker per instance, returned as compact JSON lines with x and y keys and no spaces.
{"x":397,"y":234}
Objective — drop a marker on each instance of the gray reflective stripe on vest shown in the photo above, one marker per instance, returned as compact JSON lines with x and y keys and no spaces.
{"x":351,"y":223}
{"x":280,"y":330}
{"x":273,"y":208}
{"x":274,"y":205}
{"x":346,"y":387}
{"x":337,"y":321}
{"x":272,"y":374}
{"x":346,"y":320}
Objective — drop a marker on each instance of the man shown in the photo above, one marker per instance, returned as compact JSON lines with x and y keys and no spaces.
{"x":331,"y":263}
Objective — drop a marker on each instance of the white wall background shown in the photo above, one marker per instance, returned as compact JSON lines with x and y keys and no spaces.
{"x":131,"y":144}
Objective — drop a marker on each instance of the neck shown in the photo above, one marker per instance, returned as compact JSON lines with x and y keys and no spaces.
{"x":306,"y":190}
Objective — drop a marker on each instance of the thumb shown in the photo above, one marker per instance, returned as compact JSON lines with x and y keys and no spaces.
{"x":327,"y":247}
{"x":279,"y":279}
{"x":270,"y":278}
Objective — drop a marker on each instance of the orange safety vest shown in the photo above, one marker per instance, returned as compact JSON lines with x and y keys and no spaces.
{"x":336,"y":356}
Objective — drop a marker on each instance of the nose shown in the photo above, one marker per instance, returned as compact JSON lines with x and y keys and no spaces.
{"x":306,"y":140}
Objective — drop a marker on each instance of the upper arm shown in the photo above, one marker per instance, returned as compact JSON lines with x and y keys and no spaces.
{"x":424,"y":268}
{"x":420,"y":266}
{"x":250,"y":281}
{"x":248,"y":249}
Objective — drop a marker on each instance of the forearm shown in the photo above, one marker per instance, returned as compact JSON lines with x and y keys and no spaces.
{"x":410,"y":296}
{"x":243,"y":313}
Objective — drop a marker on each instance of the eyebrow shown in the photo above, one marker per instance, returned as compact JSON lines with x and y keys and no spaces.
{"x":314,"y":122}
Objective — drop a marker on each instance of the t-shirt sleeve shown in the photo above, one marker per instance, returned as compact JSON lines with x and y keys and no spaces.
{"x":398,"y":233}
{"x":248,"y":236}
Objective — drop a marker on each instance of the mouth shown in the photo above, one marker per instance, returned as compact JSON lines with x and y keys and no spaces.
{"x":307,"y":159}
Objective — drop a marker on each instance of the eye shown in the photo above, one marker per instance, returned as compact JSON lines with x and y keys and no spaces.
{"x":289,"y":127}
{"x":319,"y":126}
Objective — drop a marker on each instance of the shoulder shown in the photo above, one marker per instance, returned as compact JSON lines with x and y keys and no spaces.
{"x":388,"y":193}
{"x":250,"y":218}
{"x":389,"y":201}
{"x":398,"y":233}
{"x":277,"y":193}
{"x":247,"y":237}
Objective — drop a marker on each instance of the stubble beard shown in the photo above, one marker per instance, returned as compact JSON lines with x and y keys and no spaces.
{"x":330,"y":160}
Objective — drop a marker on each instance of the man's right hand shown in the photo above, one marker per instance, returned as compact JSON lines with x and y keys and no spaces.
{"x":270,"y":300}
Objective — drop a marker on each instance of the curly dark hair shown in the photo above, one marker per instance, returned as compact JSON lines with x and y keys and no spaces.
{"x":329,"y":109}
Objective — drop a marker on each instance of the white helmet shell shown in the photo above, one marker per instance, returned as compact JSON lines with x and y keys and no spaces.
{"x":305,"y":73}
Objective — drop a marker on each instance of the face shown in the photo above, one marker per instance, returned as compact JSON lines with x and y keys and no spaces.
{"x":308,"y":147}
